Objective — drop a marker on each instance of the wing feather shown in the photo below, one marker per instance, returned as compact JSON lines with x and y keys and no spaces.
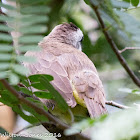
{"x":50,"y":65}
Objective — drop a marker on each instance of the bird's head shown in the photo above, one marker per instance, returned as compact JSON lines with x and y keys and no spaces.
{"x":68,"y":34}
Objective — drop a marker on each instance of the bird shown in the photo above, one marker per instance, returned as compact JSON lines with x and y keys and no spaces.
{"x":75,"y":76}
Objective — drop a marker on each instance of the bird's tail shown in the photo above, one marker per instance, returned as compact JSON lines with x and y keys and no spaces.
{"x":90,"y":92}
{"x":95,"y":109}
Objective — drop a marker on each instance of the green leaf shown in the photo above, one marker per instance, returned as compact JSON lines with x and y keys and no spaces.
{"x":136,"y":91}
{"x":26,"y":91}
{"x":35,"y":80}
{"x":31,"y":99}
{"x":38,"y":85}
{"x":31,"y":119}
{"x":3,"y":75}
{"x":5,"y":28}
{"x":8,"y":99}
{"x":120,"y":4}
{"x":39,"y":9}
{"x":1,"y":86}
{"x":87,"y":2}
{"x":20,"y":69}
{"x":5,"y":57}
{"x":6,"y":6}
{"x":57,"y":97}
{"x":34,"y":19}
{"x":6,"y":18}
{"x":43,"y":94}
{"x":127,"y":1}
{"x":5,"y":37}
{"x":33,"y":29}
{"x":29,"y":59}
{"x":30,"y":39}
{"x":5,"y":48}
{"x":36,"y":77}
{"x":40,"y":117}
{"x":135,"y":2}
{"x":29,"y":48}
{"x":4,"y":66}
{"x":14,"y":79}
{"x":25,"y":82}
{"x":37,"y":102}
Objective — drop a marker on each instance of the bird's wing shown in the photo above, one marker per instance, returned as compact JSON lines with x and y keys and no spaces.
{"x":47,"y":63}
{"x":71,"y":67}
{"x":85,"y":79}
{"x":91,"y":91}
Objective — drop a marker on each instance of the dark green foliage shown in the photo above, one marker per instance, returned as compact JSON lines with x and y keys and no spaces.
{"x":49,"y":93}
{"x":8,"y":98}
{"x":29,"y":19}
{"x":26,"y":91}
{"x":35,"y":78}
{"x":135,"y":2}
{"x":39,"y":117}
{"x":57,"y":97}
{"x":30,"y":118}
{"x":43,"y":94}
{"x":42,"y":82}
{"x":35,"y":81}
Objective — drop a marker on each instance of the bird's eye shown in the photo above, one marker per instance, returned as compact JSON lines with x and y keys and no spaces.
{"x":81,"y":39}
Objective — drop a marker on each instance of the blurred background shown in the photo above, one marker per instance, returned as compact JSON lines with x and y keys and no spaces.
{"x":124,"y":26}
{"x":122,"y":20}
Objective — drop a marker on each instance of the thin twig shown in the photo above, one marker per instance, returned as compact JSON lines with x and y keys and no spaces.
{"x":40,"y":110}
{"x":129,"y":48}
{"x":112,"y":103}
{"x":114,"y":47}
{"x":27,"y":127}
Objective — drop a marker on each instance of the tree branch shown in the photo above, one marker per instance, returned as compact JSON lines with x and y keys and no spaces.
{"x":129,"y":48}
{"x":60,"y":125}
{"x":114,"y":47}
{"x":116,"y":105}
{"x":111,"y":103}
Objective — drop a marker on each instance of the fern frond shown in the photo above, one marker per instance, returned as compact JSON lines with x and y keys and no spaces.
{"x":23,"y":25}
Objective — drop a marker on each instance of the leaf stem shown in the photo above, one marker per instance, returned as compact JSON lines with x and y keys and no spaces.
{"x":112,"y":103}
